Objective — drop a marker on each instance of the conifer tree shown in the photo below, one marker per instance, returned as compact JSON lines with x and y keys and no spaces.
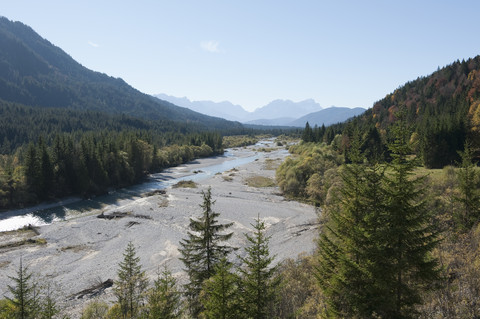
{"x":202,"y":250}
{"x":407,"y":268}
{"x":348,"y":244}
{"x":131,"y":284}
{"x":307,"y":135}
{"x":24,"y":294}
{"x":258,"y":277}
{"x":48,"y":305}
{"x":469,"y":199}
{"x":375,"y":250}
{"x":220,"y":295}
{"x":164,"y":298}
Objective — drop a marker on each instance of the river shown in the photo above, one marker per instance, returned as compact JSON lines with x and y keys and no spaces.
{"x":196,"y":170}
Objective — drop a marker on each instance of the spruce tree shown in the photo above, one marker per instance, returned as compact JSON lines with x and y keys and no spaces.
{"x":202,"y":250}
{"x":258,"y":276}
{"x":469,"y":199}
{"x":131,"y":284}
{"x":164,"y":298}
{"x":24,"y":294}
{"x":348,"y":244}
{"x":220,"y":295}
{"x":409,"y":236}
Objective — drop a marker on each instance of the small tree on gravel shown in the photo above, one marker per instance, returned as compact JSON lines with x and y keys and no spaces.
{"x":131,"y":284}
{"x":24,"y":294}
{"x":202,"y":250}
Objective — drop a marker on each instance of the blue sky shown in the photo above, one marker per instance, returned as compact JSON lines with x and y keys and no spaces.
{"x":342,"y":53}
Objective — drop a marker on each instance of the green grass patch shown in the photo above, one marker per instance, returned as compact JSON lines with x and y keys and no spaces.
{"x":185,"y":184}
{"x":260,"y":181}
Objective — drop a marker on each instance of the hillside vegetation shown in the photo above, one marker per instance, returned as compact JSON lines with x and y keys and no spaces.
{"x":356,"y":170}
{"x":442,"y":110}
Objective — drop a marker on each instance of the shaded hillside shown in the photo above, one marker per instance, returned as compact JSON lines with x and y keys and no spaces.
{"x":35,"y":72}
{"x":443,"y":110}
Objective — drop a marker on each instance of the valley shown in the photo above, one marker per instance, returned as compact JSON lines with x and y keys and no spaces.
{"x":84,"y":250}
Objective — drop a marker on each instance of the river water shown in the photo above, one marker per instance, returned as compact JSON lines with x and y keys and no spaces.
{"x":47,"y":213}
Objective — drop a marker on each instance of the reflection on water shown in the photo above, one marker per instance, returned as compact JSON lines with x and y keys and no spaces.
{"x":48,"y":213}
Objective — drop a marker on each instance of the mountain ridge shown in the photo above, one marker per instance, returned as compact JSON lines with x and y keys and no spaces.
{"x":35,"y":72}
{"x":276,"y":113}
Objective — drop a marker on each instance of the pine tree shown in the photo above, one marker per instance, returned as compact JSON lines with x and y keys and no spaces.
{"x":131,"y":284}
{"x":469,"y":213}
{"x":348,"y":243}
{"x":23,"y":294}
{"x":202,"y":250}
{"x":220,"y":295}
{"x":407,"y":267}
{"x":164,"y":298}
{"x":258,"y":277}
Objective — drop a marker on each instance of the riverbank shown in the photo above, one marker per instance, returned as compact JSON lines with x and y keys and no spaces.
{"x":84,"y":250}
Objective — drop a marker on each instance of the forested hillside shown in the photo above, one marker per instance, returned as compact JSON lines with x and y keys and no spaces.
{"x":442,"y":109}
{"x":35,"y":72}
{"x":66,"y":130}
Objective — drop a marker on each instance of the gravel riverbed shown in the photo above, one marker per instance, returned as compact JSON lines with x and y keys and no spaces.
{"x":80,"y":252}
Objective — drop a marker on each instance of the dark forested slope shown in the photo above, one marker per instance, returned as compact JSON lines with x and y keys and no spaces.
{"x":35,"y":72}
{"x":442,"y":110}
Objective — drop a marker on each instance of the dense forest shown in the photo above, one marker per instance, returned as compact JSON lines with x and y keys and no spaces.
{"x":442,"y":110}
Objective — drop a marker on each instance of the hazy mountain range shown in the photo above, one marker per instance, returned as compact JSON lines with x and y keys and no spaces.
{"x":275,"y":113}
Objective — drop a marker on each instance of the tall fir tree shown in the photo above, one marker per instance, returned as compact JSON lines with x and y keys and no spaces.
{"x":258,"y":277}
{"x":132,"y":283}
{"x":348,"y":243}
{"x":24,"y":294}
{"x":202,"y":250}
{"x":407,"y":266}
